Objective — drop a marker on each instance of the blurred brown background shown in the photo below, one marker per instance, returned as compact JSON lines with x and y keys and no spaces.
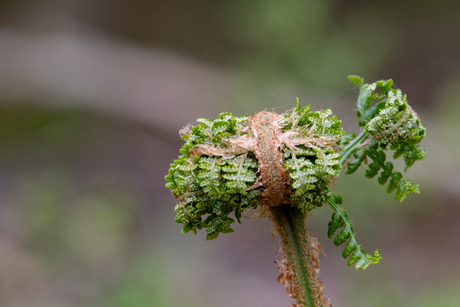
{"x":93,"y":94}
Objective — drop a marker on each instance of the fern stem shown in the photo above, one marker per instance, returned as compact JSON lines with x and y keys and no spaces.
{"x":300,"y":264}
{"x":352,"y":147}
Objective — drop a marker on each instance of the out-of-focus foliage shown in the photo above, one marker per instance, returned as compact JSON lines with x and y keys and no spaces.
{"x":295,"y":41}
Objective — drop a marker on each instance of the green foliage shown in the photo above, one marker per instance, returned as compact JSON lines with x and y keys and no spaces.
{"x":396,"y":124}
{"x":353,"y":251}
{"x":312,"y":168}
{"x":353,"y":165}
{"x":210,"y":188}
{"x":402,"y":187}
{"x":366,"y":96}
{"x":239,"y":172}
{"x":212,"y":132}
{"x":347,"y":138}
{"x":392,"y":125}
{"x":313,"y":124}
{"x":390,"y":121}
{"x":311,"y":171}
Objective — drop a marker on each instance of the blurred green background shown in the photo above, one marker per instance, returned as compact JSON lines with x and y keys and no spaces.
{"x":93,"y":93}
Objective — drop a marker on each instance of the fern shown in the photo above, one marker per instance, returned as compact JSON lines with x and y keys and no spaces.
{"x":283,"y":165}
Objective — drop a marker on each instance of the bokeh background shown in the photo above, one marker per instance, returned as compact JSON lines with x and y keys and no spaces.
{"x":94,"y":92}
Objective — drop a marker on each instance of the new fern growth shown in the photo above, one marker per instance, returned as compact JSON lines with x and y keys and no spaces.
{"x":282,"y":165}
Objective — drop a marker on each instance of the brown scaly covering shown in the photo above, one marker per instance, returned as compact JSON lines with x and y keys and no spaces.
{"x":266,"y":130}
{"x":288,"y":222}
{"x":299,"y":253}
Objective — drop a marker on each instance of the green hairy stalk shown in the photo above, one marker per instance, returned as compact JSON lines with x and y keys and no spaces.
{"x":282,"y":165}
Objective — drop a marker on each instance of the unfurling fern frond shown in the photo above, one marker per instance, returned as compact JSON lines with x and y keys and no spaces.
{"x":208,"y":187}
{"x":392,"y":125}
{"x":353,"y":251}
{"x":314,"y":161}
{"x":283,"y":165}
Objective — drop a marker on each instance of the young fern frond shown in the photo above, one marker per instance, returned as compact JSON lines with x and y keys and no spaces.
{"x":353,"y":251}
{"x":283,"y":164}
{"x":208,"y":187}
{"x":310,"y":172}
{"x":392,"y":125}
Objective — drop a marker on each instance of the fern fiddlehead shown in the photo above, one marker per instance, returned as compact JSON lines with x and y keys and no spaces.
{"x":283,"y":164}
{"x":391,"y":124}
